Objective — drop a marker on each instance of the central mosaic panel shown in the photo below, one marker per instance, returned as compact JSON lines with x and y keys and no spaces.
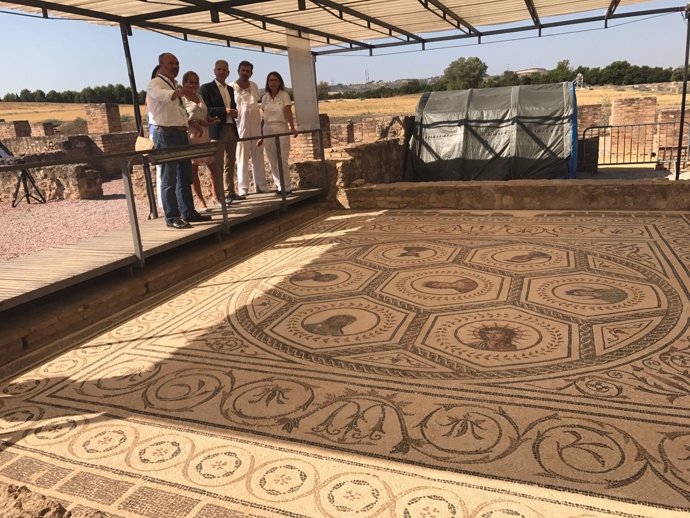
{"x":458,"y":310}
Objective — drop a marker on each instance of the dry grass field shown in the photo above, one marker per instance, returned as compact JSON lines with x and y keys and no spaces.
{"x":340,"y":108}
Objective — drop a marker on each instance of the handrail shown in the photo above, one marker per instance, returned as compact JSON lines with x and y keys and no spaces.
{"x":159,"y":156}
{"x":631,"y":144}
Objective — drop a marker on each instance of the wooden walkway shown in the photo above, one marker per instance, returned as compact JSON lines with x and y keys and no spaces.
{"x":30,"y":277}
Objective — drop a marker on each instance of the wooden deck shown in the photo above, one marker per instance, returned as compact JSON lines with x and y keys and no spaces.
{"x":30,"y":277}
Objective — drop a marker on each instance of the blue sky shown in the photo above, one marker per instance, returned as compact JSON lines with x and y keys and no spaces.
{"x":70,"y":55}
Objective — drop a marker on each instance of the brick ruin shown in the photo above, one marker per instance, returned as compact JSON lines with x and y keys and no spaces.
{"x":350,"y":155}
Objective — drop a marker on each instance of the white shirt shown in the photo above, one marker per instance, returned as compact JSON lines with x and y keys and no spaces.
{"x":226,"y":99}
{"x":248,"y":112}
{"x":165,"y":111}
{"x":273,"y":107}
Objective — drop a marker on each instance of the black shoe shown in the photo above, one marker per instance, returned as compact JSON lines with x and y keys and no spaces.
{"x":178,"y":223}
{"x":228,"y":200}
{"x":287,"y":193}
{"x":235,"y":197}
{"x":199,"y":217}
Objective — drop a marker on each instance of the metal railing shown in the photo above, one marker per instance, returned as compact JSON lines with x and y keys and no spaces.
{"x":649,"y":143}
{"x":154,"y":157}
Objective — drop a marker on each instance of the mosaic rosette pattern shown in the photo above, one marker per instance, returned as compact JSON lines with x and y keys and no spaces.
{"x":408,"y":363}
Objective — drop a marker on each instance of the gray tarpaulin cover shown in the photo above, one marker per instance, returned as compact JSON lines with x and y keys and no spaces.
{"x":495,"y":134}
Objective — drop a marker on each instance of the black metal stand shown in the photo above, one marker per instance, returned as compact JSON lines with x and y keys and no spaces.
{"x":30,"y":190}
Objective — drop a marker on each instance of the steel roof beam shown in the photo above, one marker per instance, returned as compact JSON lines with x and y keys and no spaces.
{"x":61,"y":8}
{"x":269,"y":20}
{"x":367,"y":18}
{"x":533,"y":13}
{"x":447,"y":13}
{"x":525,"y":28}
{"x":612,"y":8}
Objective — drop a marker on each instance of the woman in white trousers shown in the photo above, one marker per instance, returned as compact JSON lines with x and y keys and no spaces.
{"x":277,"y":118}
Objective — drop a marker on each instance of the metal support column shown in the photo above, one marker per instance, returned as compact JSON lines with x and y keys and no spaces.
{"x":125,"y":32}
{"x":685,"y":92}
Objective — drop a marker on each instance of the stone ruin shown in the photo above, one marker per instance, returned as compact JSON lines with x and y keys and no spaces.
{"x":364,"y":149}
{"x":39,"y":142}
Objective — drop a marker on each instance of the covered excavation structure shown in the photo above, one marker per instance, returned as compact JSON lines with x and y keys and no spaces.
{"x":504,"y":133}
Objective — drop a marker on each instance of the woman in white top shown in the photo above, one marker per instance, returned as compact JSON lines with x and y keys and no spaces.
{"x":277,"y":117}
{"x":197,"y":110}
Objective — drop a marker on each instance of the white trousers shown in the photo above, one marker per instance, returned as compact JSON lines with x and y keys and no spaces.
{"x":272,"y":154}
{"x":245,"y":151}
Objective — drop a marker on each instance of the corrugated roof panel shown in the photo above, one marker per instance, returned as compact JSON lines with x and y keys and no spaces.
{"x":265,"y":22}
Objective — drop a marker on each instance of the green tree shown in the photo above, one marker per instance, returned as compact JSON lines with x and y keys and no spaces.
{"x":509,"y":78}
{"x":322,"y":90}
{"x":464,"y":73}
{"x":39,"y":96}
{"x":26,"y":96}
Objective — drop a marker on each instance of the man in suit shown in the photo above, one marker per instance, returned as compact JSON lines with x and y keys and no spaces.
{"x":220,"y":100}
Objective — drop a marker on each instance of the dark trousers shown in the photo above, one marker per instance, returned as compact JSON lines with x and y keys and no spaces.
{"x":176,"y":177}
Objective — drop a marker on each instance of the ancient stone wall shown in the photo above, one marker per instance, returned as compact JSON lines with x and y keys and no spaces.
{"x":60,"y":182}
{"x":42,"y":129}
{"x":630,"y":142}
{"x":667,"y":137}
{"x":15,"y":129}
{"x":524,"y":195}
{"x":103,"y":118}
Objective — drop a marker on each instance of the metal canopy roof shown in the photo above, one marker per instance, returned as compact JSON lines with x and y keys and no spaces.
{"x":334,"y":27}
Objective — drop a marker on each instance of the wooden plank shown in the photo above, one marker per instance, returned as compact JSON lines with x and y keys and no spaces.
{"x":28,"y":278}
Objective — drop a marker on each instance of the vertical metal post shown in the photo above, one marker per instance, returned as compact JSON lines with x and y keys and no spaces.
{"x":218,"y":181}
{"x":132,"y":210}
{"x":124,"y":31}
{"x":281,"y":173}
{"x":324,"y":173}
{"x":685,"y":92}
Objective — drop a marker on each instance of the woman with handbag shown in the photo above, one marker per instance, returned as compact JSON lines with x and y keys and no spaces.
{"x":198,"y":112}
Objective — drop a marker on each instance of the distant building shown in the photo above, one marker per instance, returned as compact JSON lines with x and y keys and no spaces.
{"x":531,"y":71}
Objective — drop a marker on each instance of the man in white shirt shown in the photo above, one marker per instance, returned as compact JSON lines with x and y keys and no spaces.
{"x":248,"y":125}
{"x":220,"y":100}
{"x":164,"y":100}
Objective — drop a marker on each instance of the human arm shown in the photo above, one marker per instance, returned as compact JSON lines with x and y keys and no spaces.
{"x":214,"y":102}
{"x":158,"y":90}
{"x":287,"y":111}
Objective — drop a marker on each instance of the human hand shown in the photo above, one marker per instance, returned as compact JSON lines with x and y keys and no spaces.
{"x":232,"y":112}
{"x":259,"y":142}
{"x":294,"y":132}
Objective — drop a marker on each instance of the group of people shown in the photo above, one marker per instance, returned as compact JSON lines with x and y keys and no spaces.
{"x":190,"y":113}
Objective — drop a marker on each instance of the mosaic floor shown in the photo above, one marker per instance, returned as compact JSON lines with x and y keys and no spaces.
{"x":416,"y":364}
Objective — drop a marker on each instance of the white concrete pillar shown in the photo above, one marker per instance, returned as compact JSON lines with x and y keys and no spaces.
{"x":303,"y":76}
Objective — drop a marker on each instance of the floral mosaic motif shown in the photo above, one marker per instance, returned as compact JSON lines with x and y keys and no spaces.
{"x":430,"y":506}
{"x":105,"y":441}
{"x":184,"y":389}
{"x":159,"y":452}
{"x":23,"y":387}
{"x":218,"y":465}
{"x":56,"y":429}
{"x":282,"y":480}
{"x":15,"y":418}
{"x":353,"y":496}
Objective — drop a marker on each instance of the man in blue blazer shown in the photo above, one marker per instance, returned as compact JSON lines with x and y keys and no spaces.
{"x":220,"y":100}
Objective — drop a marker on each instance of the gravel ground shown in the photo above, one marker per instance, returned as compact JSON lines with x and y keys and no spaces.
{"x":29,"y":228}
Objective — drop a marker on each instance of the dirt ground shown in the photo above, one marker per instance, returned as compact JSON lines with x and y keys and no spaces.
{"x":336,"y":108}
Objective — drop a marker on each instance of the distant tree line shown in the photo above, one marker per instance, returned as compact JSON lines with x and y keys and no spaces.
{"x":470,"y":72}
{"x":460,"y":74}
{"x":98,"y":94}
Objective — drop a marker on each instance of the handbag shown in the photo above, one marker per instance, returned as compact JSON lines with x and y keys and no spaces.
{"x":143,"y":143}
